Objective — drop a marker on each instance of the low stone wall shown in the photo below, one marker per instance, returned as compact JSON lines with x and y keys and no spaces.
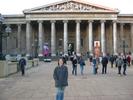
{"x":7,"y":68}
{"x":12,"y":67}
{"x":3,"y":69}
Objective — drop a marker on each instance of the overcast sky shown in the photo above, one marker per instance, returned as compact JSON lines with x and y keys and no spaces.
{"x":17,"y":6}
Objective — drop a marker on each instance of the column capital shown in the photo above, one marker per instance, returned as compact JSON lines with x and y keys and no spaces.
{"x":102,"y":21}
{"x":53,"y":21}
{"x":40,"y":21}
{"x":19,"y":24}
{"x":91,"y":21}
{"x":122,"y":23}
{"x":78,"y":21}
{"x":28,"y":21}
{"x":114,"y":21}
{"x":131,"y":23}
{"x":65,"y":21}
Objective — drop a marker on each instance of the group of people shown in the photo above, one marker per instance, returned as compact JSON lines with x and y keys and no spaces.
{"x":60,"y":74}
{"x":119,"y":61}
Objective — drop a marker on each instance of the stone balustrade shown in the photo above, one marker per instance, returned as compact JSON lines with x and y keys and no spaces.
{"x":7,"y":68}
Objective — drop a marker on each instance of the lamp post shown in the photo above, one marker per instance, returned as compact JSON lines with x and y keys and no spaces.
{"x":3,"y":34}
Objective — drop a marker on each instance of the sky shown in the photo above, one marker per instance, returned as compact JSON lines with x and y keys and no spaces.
{"x":17,"y":6}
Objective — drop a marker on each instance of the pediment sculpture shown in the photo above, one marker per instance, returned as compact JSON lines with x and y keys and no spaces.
{"x":70,"y":6}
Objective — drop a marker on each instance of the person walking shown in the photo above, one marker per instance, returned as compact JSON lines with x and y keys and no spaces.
{"x":112,"y":59}
{"x":60,"y":76}
{"x":128,"y":60}
{"x":125,"y":62}
{"x":82,"y":64}
{"x":22,"y":64}
{"x":94,"y":65}
{"x":74,"y":65}
{"x":119,"y":62}
{"x":104,"y":64}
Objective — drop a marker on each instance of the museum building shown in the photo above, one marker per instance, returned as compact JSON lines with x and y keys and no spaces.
{"x":68,"y":22}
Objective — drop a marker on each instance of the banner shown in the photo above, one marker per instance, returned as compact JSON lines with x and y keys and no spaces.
{"x":46,"y":50}
{"x":97,"y":48}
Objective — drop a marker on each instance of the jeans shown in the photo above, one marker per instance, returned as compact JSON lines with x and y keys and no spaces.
{"x":124,"y":69}
{"x":119,"y":69}
{"x":60,"y":93}
{"x":104,"y":69}
{"x":81,"y":68}
{"x":23,"y":70}
{"x":94,"y":69}
{"x":74,"y":71}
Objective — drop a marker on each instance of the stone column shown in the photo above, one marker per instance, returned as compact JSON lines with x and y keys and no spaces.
{"x":19,"y":38}
{"x":40,"y":33}
{"x":103,"y":37}
{"x":115,"y":37}
{"x":132,"y":38}
{"x":90,"y":36}
{"x":65,"y":37}
{"x":28,"y":30}
{"x":53,"y":41}
{"x":78,"y":37}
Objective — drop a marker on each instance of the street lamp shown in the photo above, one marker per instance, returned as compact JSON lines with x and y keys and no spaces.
{"x":4,"y":34}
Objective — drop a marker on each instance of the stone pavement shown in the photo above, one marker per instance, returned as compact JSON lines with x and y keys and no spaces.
{"x":38,"y":84}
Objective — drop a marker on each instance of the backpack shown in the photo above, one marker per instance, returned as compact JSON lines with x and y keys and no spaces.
{"x":119,"y":62}
{"x":22,"y":62}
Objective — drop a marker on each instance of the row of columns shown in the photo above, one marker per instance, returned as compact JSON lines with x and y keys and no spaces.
{"x":53,"y":37}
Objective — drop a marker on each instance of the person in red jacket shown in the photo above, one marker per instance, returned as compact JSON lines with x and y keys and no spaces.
{"x":128,"y":60}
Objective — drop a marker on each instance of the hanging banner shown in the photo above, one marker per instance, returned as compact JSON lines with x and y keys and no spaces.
{"x":46,"y":50}
{"x":97,"y":48}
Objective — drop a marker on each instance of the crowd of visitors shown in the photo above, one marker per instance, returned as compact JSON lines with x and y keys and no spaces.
{"x":60,"y":74}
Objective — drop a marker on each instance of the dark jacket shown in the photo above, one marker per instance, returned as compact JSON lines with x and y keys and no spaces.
{"x":75,"y":62}
{"x":104,"y":61}
{"x":112,"y":59}
{"x":61,"y":76}
{"x":119,"y":62}
{"x":22,"y":62}
{"x":82,"y":62}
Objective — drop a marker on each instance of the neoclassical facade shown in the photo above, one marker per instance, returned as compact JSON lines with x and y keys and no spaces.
{"x":66,"y":22}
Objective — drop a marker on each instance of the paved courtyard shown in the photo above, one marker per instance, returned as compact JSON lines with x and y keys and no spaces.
{"x":38,"y":84}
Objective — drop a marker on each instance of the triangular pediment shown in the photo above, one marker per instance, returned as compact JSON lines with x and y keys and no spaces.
{"x":70,"y":6}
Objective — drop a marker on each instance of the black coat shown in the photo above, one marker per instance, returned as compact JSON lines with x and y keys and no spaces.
{"x":22,"y":63}
{"x":104,"y":61}
{"x":61,"y":76}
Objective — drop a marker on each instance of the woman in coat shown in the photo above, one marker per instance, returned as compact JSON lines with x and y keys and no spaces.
{"x":60,"y":76}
